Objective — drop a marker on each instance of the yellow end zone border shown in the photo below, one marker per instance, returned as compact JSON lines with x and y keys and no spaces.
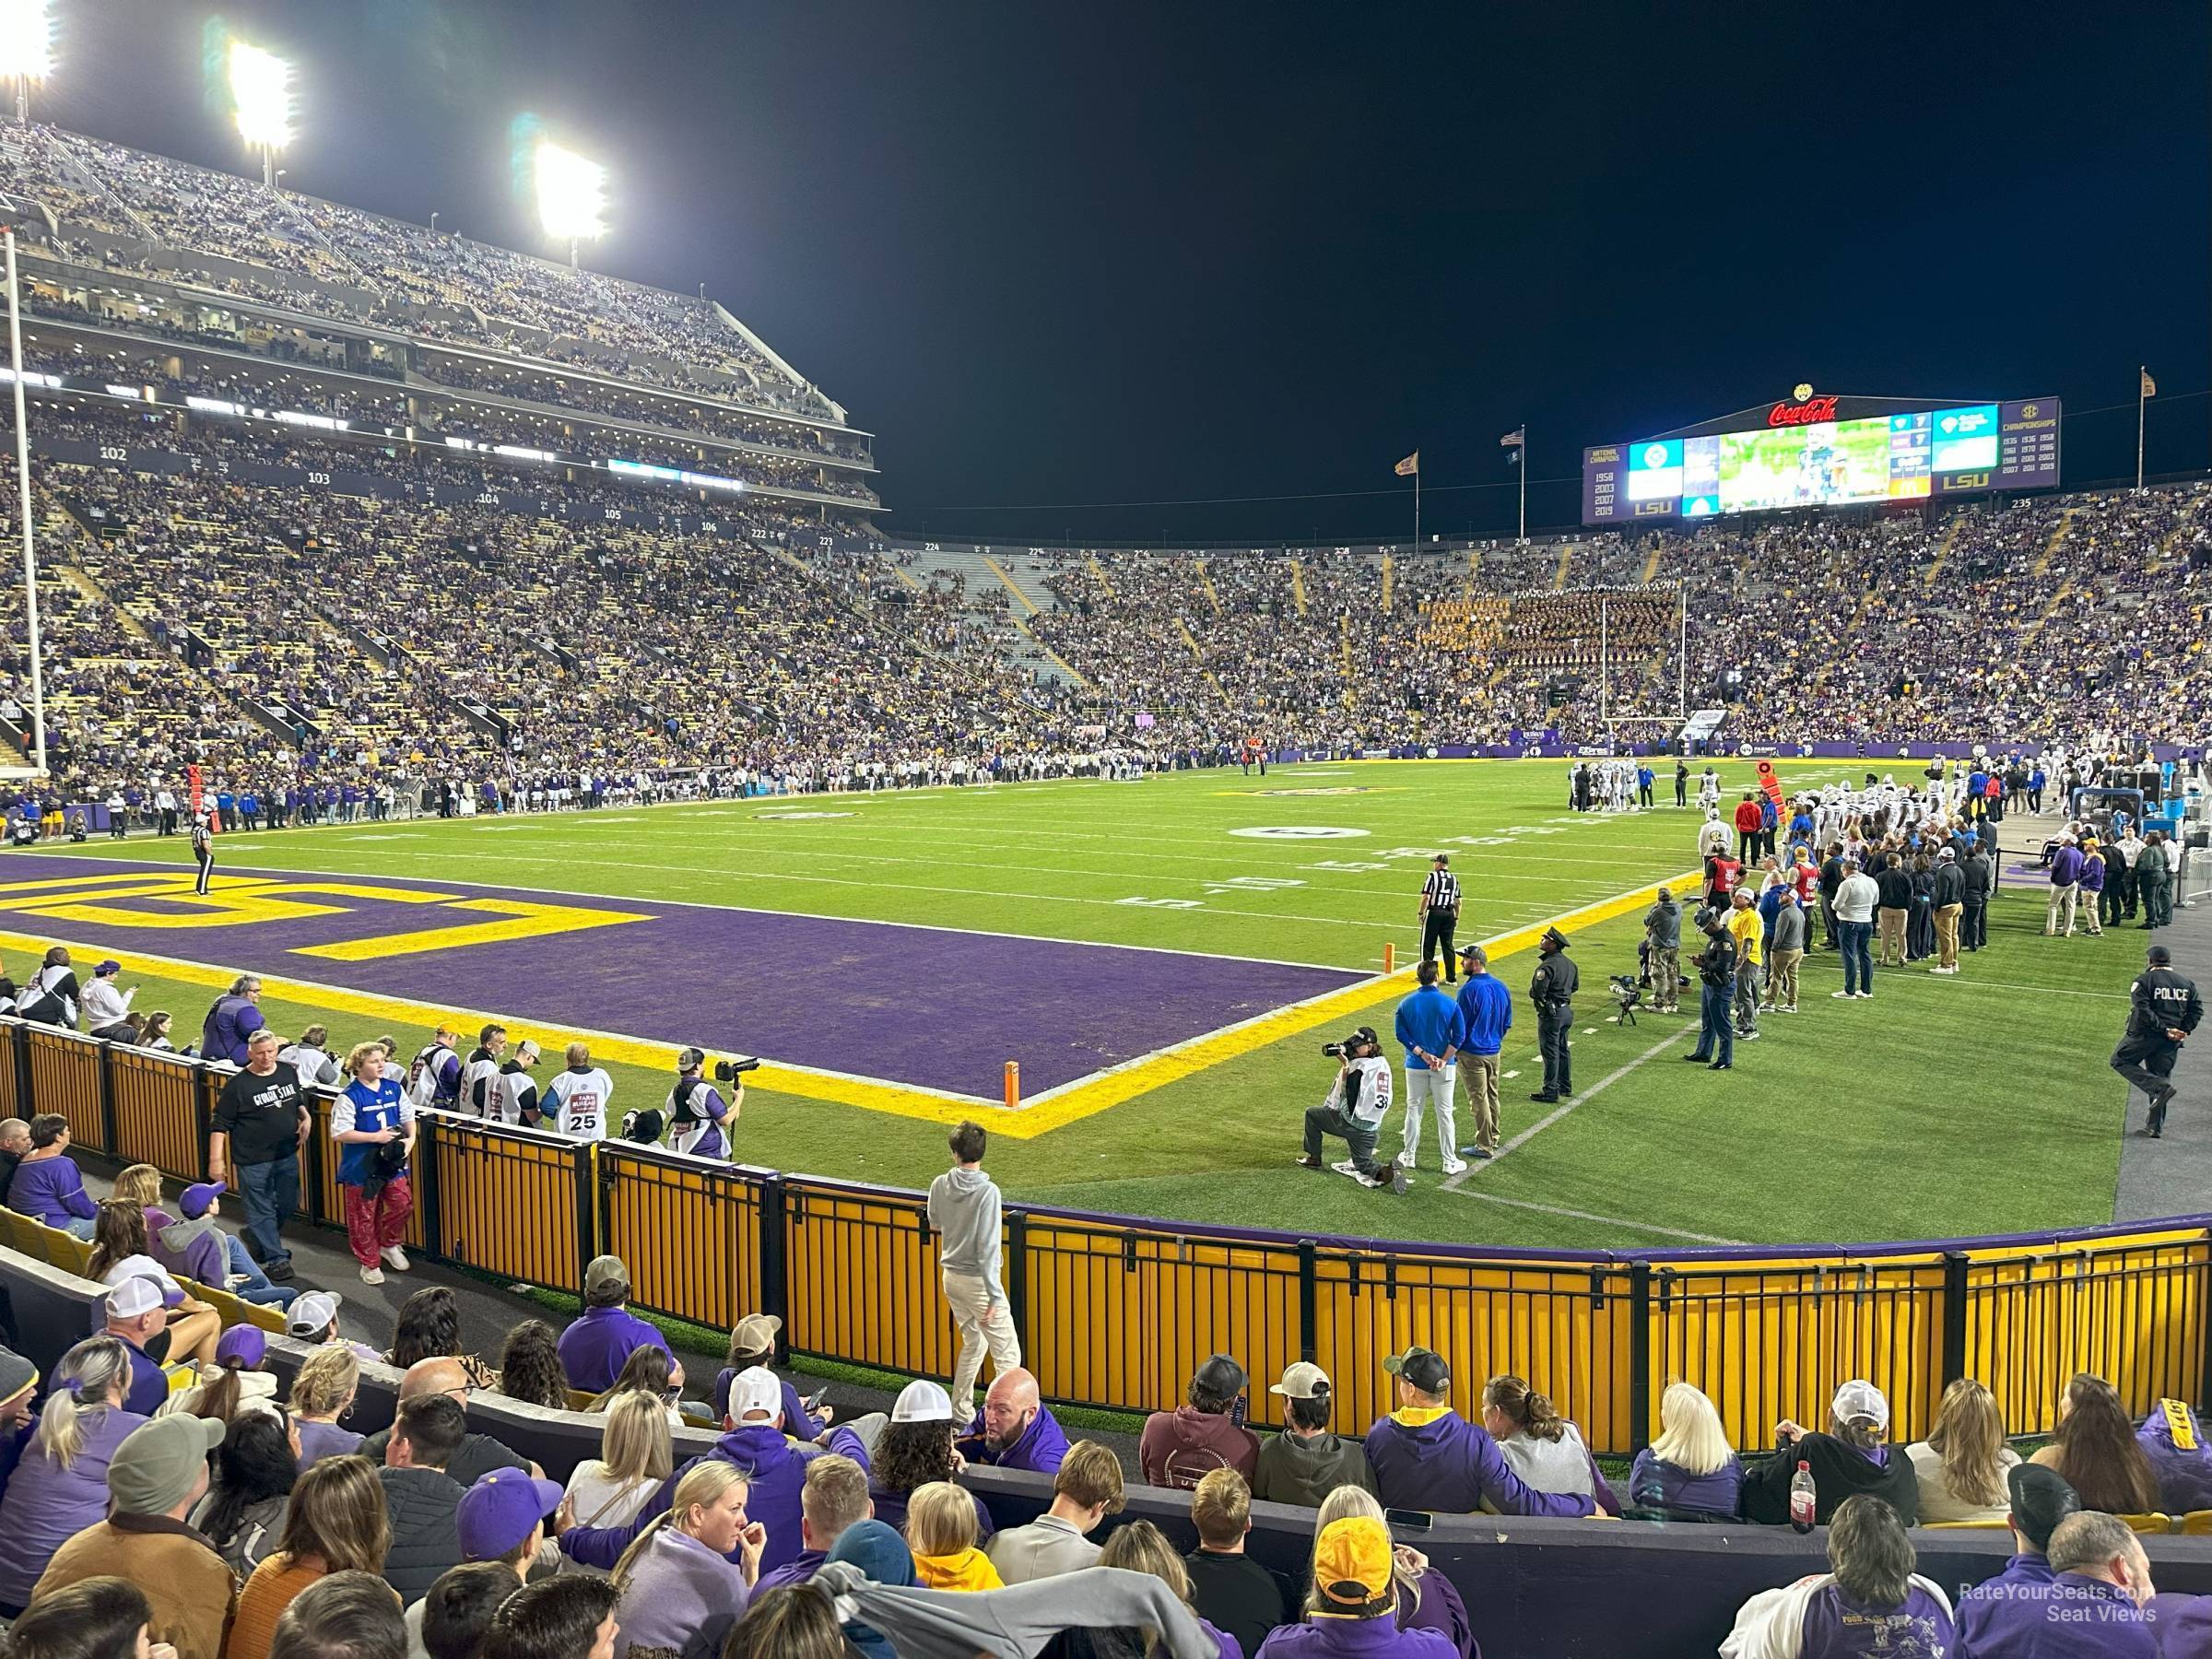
{"x":1052,"y":1109}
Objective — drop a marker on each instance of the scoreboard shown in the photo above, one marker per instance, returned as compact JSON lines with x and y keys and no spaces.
{"x":1824,"y":452}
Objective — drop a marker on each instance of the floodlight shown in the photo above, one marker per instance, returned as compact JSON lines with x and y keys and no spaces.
{"x":261,"y":92}
{"x":26,"y":47}
{"x":571,"y":194}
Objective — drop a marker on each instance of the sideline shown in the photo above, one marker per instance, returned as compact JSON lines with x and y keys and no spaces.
{"x":1050,"y":1110}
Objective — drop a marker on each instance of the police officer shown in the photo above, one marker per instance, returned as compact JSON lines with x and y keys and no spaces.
{"x":2163,"y":1008}
{"x":1552,"y":990}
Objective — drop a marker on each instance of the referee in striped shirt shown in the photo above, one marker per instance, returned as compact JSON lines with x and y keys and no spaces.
{"x":1440,"y":916}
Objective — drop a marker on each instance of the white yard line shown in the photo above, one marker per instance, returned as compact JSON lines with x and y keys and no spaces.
{"x":1453,"y":1183}
{"x":1558,"y":1209}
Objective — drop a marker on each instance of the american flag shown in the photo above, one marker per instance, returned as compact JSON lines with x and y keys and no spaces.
{"x":2150,"y":387}
{"x":1409,"y":466}
{"x":1514,"y":439}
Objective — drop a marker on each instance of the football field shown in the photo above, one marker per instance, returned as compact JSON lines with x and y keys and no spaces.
{"x":1163,"y":961}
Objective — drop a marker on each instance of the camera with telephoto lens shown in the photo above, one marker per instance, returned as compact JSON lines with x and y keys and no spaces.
{"x":1349,"y":1048}
{"x":729,"y":1070}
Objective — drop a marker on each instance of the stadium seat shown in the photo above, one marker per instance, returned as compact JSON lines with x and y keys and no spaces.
{"x":2151,"y":1524}
{"x":236,"y":1310}
{"x":2197,"y":1523}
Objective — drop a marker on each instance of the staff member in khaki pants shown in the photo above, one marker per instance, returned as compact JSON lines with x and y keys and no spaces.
{"x":1486,"y":1009}
{"x":1785,"y":953}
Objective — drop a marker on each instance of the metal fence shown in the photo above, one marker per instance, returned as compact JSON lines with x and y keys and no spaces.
{"x":1118,"y":1313}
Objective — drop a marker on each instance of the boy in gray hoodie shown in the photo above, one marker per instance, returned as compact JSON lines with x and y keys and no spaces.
{"x":964,"y":1211}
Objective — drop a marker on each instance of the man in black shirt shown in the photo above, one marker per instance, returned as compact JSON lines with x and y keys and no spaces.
{"x":1831,"y":880}
{"x":260,"y":1128}
{"x":1717,"y":981}
{"x":2163,"y":1008}
{"x":1228,"y":1589}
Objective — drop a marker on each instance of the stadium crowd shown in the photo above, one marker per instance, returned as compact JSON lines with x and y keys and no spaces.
{"x":324,"y":259}
{"x":164,"y":1481}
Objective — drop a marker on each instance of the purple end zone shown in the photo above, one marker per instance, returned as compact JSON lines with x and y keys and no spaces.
{"x":939,"y":1009}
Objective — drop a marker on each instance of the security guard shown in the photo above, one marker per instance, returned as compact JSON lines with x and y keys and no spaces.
{"x":1552,"y":991}
{"x":2163,"y":1008}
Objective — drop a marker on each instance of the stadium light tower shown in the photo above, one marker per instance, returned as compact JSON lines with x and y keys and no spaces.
{"x":571,"y":195}
{"x":26,"y":47}
{"x":9,"y":210}
{"x":261,"y":94}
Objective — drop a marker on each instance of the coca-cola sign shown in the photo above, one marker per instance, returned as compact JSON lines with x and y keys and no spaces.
{"x":1813,"y":410}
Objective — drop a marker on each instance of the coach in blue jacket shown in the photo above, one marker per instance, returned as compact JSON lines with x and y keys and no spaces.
{"x":1486,"y":1015}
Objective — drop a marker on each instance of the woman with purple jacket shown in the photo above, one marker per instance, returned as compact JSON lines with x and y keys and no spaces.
{"x":49,"y":1186}
{"x":1691,"y":1472}
{"x":61,"y":1485}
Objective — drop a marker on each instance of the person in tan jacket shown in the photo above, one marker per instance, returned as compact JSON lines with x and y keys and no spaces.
{"x":154,"y":1479}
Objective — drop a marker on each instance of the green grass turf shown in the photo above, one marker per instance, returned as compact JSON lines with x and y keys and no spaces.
{"x":1946,"y":1106}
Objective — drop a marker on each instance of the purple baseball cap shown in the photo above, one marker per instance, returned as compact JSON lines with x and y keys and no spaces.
{"x":249,"y":1345}
{"x":497,"y":1513}
{"x":199,"y":1199}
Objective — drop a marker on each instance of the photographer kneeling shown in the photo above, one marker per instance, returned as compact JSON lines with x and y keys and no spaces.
{"x":1357,"y":1104}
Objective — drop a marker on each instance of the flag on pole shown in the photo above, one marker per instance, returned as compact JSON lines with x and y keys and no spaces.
{"x":1410,"y":466}
{"x":1514,"y":439}
{"x":2150,"y":387}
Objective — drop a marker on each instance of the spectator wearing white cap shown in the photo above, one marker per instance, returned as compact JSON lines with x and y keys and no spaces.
{"x":1852,"y":1457}
{"x":314,"y":1319}
{"x":513,"y":1096}
{"x":753,"y":1441}
{"x":136,"y":1315}
{"x":753,"y":1342}
{"x":105,"y":1003}
{"x":1306,"y":1462}
{"x":914,"y":1449}
{"x":154,"y":1479}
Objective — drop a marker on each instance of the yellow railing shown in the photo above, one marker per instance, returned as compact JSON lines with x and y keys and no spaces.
{"x":1118,"y":1313}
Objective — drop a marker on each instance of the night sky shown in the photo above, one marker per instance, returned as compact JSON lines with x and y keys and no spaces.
{"x":1056,"y":254}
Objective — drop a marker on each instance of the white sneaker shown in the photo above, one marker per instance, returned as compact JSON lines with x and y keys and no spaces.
{"x":372,"y":1276}
{"x":1864,"y":996}
{"x":1843,"y":996}
{"x":1456,"y":1167}
{"x":396,"y":1259}
{"x":1405,"y":1160}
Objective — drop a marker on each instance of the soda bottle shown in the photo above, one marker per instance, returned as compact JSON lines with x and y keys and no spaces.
{"x":1801,"y":1498}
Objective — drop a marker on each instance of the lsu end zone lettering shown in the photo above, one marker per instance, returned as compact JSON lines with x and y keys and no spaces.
{"x":166,"y":902}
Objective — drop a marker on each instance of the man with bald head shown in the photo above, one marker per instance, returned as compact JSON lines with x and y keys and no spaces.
{"x":1015,"y":1430}
{"x":15,"y":1140}
{"x":477,"y":1454}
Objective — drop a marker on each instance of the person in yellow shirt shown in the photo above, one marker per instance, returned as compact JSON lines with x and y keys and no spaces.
{"x":940,"y":1530}
{"x":1746,"y":927}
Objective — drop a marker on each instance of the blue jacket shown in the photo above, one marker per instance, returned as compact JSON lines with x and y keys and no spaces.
{"x":1448,"y":1465}
{"x":1485,"y":1014}
{"x":1654,"y":1484}
{"x":1429,"y":1020}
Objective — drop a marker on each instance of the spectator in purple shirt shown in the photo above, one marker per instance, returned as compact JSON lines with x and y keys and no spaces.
{"x":1014,"y":1430}
{"x":2041,"y":1500}
{"x":1426,"y":1456}
{"x":600,"y":1341}
{"x":1871,"y":1603}
{"x":2092,"y":1609}
{"x":832,"y":1499}
{"x":1691,"y":1472}
{"x":753,"y":1343}
{"x":61,"y":1484}
{"x":48,"y":1186}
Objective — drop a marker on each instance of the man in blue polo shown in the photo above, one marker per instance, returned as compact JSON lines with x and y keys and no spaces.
{"x":1427,"y":1029}
{"x":2092,"y":1609}
{"x":2041,"y":1500}
{"x":1486,"y":1015}
{"x":599,"y":1341}
{"x":1426,"y":1456}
